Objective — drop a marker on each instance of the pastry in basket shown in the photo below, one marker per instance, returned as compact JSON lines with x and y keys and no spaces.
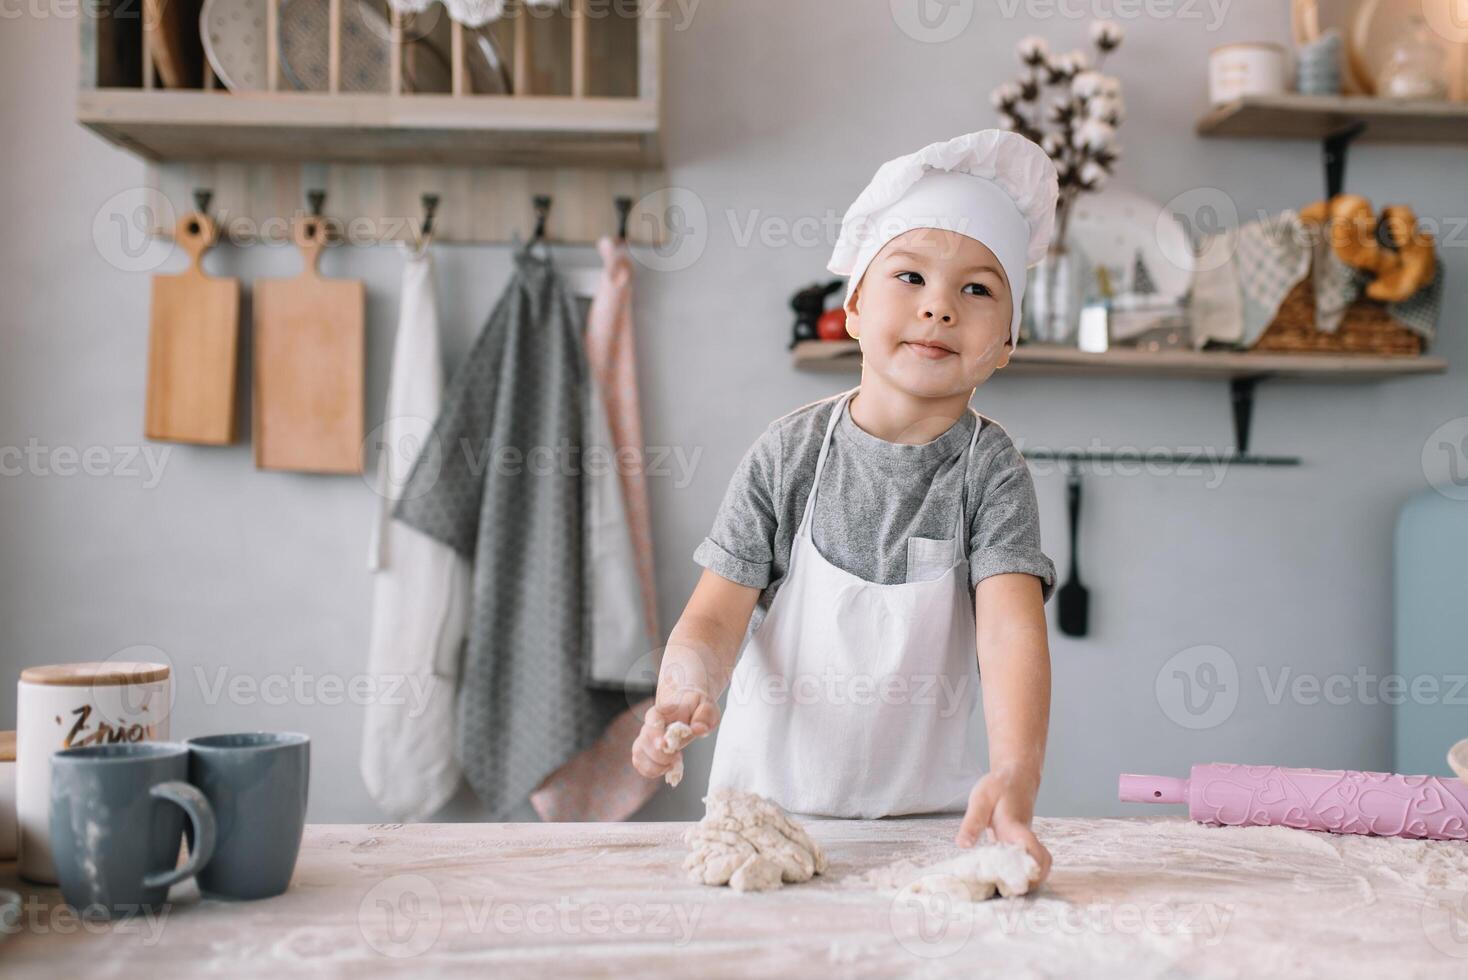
{"x":1399,"y":271}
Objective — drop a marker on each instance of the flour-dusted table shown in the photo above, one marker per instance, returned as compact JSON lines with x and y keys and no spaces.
{"x":1158,"y":897}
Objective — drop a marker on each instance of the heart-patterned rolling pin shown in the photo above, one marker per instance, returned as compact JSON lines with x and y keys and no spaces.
{"x":1335,"y":800}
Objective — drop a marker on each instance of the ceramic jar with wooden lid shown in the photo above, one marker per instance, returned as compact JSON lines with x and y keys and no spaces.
{"x":67,"y":705}
{"x":7,"y":796}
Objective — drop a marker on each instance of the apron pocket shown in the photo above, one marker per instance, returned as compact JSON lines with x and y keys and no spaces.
{"x":928,"y":558}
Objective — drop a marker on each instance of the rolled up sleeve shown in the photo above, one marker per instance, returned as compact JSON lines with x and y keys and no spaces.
{"x":1005,"y":529}
{"x":740,"y":545}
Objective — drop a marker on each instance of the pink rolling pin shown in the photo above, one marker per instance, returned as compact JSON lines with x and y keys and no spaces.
{"x":1334,"y":800}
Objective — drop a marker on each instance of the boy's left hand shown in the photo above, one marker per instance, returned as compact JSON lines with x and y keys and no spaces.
{"x":1003,"y":801}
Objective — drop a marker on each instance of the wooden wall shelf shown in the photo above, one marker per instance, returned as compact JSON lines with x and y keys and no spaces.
{"x":1314,"y":117}
{"x":582,"y":124}
{"x":1052,"y":360}
{"x":445,"y":129}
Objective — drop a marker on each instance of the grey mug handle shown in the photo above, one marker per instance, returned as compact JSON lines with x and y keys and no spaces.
{"x":201,"y":816}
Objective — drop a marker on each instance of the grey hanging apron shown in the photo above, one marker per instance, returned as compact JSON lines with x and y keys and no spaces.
{"x":500,"y":482}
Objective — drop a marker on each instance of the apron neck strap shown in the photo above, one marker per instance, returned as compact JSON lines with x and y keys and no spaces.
{"x":810,"y":498}
{"x":960,"y":531}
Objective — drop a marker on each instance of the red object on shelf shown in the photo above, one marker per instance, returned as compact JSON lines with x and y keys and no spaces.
{"x":832,"y":325}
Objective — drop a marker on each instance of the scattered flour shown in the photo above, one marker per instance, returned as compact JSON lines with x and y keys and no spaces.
{"x":750,"y":844}
{"x":678,"y":734}
{"x":972,"y":876}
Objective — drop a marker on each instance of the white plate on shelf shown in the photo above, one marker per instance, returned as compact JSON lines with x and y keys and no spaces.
{"x":234,"y":42}
{"x":1114,"y":227}
{"x":233,"y":32}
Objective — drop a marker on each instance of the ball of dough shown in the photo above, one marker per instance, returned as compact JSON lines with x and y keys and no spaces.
{"x":749,"y":843}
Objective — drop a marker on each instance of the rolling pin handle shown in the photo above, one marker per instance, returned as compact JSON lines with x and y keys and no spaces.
{"x":1152,"y":789}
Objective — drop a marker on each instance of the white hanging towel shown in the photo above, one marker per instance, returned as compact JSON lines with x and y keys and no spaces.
{"x":619,"y":637}
{"x":420,"y":588}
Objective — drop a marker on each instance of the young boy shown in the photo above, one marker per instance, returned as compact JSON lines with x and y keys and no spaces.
{"x":888,"y":536}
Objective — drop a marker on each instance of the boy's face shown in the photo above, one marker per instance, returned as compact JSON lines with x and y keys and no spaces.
{"x":932,"y":313}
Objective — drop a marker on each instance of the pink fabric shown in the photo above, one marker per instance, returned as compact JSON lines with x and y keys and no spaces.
{"x":599,"y":783}
{"x":612,"y":356}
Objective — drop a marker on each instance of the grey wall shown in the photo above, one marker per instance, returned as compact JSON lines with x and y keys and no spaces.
{"x":776,"y":112}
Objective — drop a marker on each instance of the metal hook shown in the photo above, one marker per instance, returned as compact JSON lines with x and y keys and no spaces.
{"x":202,"y":197}
{"x":624,"y":207}
{"x":430,"y":205}
{"x":542,"y":211}
{"x":317,"y":200}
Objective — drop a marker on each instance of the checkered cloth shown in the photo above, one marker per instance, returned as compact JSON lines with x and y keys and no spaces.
{"x":1272,"y":255}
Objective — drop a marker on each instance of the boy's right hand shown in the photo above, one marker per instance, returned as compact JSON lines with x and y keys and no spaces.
{"x":694,"y":708}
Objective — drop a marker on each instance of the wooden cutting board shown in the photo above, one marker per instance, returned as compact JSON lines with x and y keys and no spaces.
{"x":309,"y":361}
{"x":172,"y":27}
{"x":193,"y":343}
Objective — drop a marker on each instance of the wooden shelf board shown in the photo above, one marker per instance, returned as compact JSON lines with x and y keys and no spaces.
{"x":301,"y":126}
{"x":1294,"y":116}
{"x":1051,"y":360}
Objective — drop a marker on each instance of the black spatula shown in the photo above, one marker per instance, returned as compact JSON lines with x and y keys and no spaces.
{"x":1073,"y":601}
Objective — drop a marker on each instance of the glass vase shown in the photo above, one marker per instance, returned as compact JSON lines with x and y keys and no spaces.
{"x":1053,"y":296}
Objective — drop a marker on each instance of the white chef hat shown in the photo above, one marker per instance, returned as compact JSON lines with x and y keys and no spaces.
{"x":992,"y":185}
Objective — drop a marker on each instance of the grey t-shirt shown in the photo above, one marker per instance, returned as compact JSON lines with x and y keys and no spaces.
{"x":879,"y":503}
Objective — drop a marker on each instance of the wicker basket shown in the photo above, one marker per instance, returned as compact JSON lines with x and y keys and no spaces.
{"x":1366,"y":328}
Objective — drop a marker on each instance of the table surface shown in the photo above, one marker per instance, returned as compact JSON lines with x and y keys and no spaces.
{"x":1159,"y":897}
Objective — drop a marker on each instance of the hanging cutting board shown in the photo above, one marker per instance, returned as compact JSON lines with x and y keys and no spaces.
{"x":172,"y":27}
{"x":193,"y":342}
{"x":309,"y":359}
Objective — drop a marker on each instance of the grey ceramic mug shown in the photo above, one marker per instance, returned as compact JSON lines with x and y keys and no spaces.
{"x":117,"y":817}
{"x":256,"y":782}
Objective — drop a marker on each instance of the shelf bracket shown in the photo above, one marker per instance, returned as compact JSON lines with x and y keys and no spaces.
{"x":1333,"y":150}
{"x":1241,"y":392}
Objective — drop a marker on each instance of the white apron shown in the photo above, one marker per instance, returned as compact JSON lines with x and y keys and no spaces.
{"x":855,"y":698}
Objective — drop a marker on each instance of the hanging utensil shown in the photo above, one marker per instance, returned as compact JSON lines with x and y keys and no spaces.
{"x":1073,"y":601}
{"x":193,"y":337}
{"x":309,"y":361}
